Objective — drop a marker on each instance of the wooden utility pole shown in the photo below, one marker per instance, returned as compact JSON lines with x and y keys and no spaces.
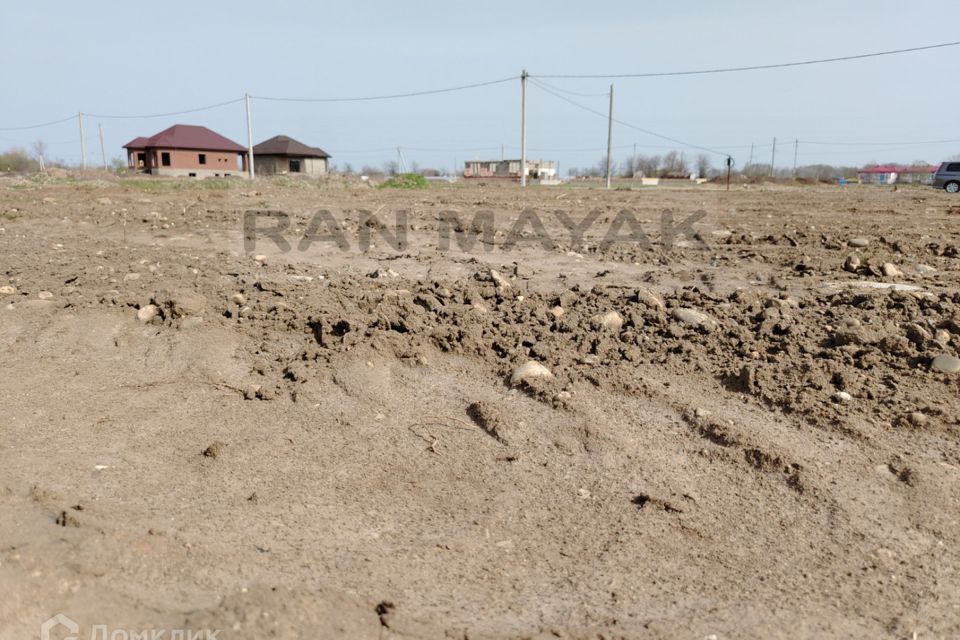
{"x":83,"y":143}
{"x":750,"y":161}
{"x":250,"y":169}
{"x":729,"y":166}
{"x":523,"y":128}
{"x":103,"y":150}
{"x":610,"y":141}
{"x":796,"y":153}
{"x":773,"y":157}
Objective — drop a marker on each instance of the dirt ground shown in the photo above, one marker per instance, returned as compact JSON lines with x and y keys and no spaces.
{"x":745,"y":433}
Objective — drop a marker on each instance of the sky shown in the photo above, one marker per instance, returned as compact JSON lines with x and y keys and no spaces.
{"x":132,"y":59}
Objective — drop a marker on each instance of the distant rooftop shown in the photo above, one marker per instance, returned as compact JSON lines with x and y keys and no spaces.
{"x":186,"y":136}
{"x":287,"y":146}
{"x":896,"y":168}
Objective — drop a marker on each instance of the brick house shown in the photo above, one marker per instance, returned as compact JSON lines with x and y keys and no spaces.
{"x":509,"y":169}
{"x":897,"y":174}
{"x":283,"y":154}
{"x":186,"y":150}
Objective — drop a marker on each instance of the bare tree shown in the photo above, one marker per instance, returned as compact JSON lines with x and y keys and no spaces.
{"x":647,"y":166}
{"x":674,"y":164}
{"x":703,"y":165}
{"x":390,"y":167}
{"x":40,"y":151}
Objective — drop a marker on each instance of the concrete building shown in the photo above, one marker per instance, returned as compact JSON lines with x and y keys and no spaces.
{"x":510,"y":169}
{"x":186,"y":150}
{"x":896,"y":174}
{"x":283,"y":154}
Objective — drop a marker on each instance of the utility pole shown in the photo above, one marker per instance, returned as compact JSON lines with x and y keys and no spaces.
{"x":773,"y":156}
{"x":750,"y":162}
{"x":83,"y":143}
{"x":250,"y":169}
{"x":610,"y":141}
{"x":633,"y":162}
{"x":103,"y":151}
{"x":523,"y":128}
{"x":796,"y":152}
{"x":501,"y":152}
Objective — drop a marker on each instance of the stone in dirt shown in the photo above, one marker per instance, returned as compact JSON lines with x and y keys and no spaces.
{"x":852,"y":263}
{"x":945,"y":363}
{"x":7,"y":290}
{"x":650,"y":300}
{"x":147,"y":313}
{"x":860,"y":242}
{"x":842,"y":396}
{"x":609,"y":321}
{"x":695,"y":318}
{"x":498,"y":280}
{"x":238,"y":298}
{"x":917,"y":418}
{"x":891,"y":270}
{"x":45,"y":295}
{"x":528,"y":371}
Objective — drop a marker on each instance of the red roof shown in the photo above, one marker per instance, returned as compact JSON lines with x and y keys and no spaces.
{"x":137,"y":143}
{"x":186,"y":136}
{"x":896,"y":168}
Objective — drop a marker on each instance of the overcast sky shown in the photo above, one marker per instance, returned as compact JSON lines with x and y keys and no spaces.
{"x":136,"y":58}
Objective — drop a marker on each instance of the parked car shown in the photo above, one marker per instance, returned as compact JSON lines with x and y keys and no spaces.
{"x":948,"y":177}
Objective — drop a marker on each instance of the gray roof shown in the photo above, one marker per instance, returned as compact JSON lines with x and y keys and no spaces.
{"x":287,"y":146}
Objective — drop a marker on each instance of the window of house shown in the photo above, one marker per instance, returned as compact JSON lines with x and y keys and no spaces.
{"x":294,"y":166}
{"x":141,"y":158}
{"x":165,"y":158}
{"x":203,"y":158}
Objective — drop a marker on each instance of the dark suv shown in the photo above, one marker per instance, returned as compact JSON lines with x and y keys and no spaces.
{"x":948,"y":177}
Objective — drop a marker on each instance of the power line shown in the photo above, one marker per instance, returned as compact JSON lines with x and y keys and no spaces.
{"x":38,"y":126}
{"x":411,"y":94}
{"x":575,"y":93}
{"x":758,"y":67}
{"x":541,"y":86}
{"x":163,"y":115}
{"x":878,"y":144}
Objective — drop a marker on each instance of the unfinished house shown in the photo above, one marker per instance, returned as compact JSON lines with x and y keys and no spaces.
{"x":284,"y":155}
{"x":186,"y":150}
{"x":510,"y":169}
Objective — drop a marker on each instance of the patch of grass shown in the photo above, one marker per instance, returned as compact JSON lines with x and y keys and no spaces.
{"x":161,"y":185}
{"x":405,"y":181}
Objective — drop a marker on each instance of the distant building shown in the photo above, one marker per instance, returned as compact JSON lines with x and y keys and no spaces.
{"x":186,"y":150}
{"x":283,"y":154}
{"x":510,"y":169}
{"x":896,"y":174}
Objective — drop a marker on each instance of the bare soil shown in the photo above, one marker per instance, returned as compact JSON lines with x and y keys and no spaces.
{"x":741,"y":437}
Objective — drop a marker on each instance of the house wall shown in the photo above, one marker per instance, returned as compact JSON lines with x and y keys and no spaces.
{"x":508,"y":169}
{"x":903,"y":177}
{"x":217,"y":161}
{"x":273,"y":165}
